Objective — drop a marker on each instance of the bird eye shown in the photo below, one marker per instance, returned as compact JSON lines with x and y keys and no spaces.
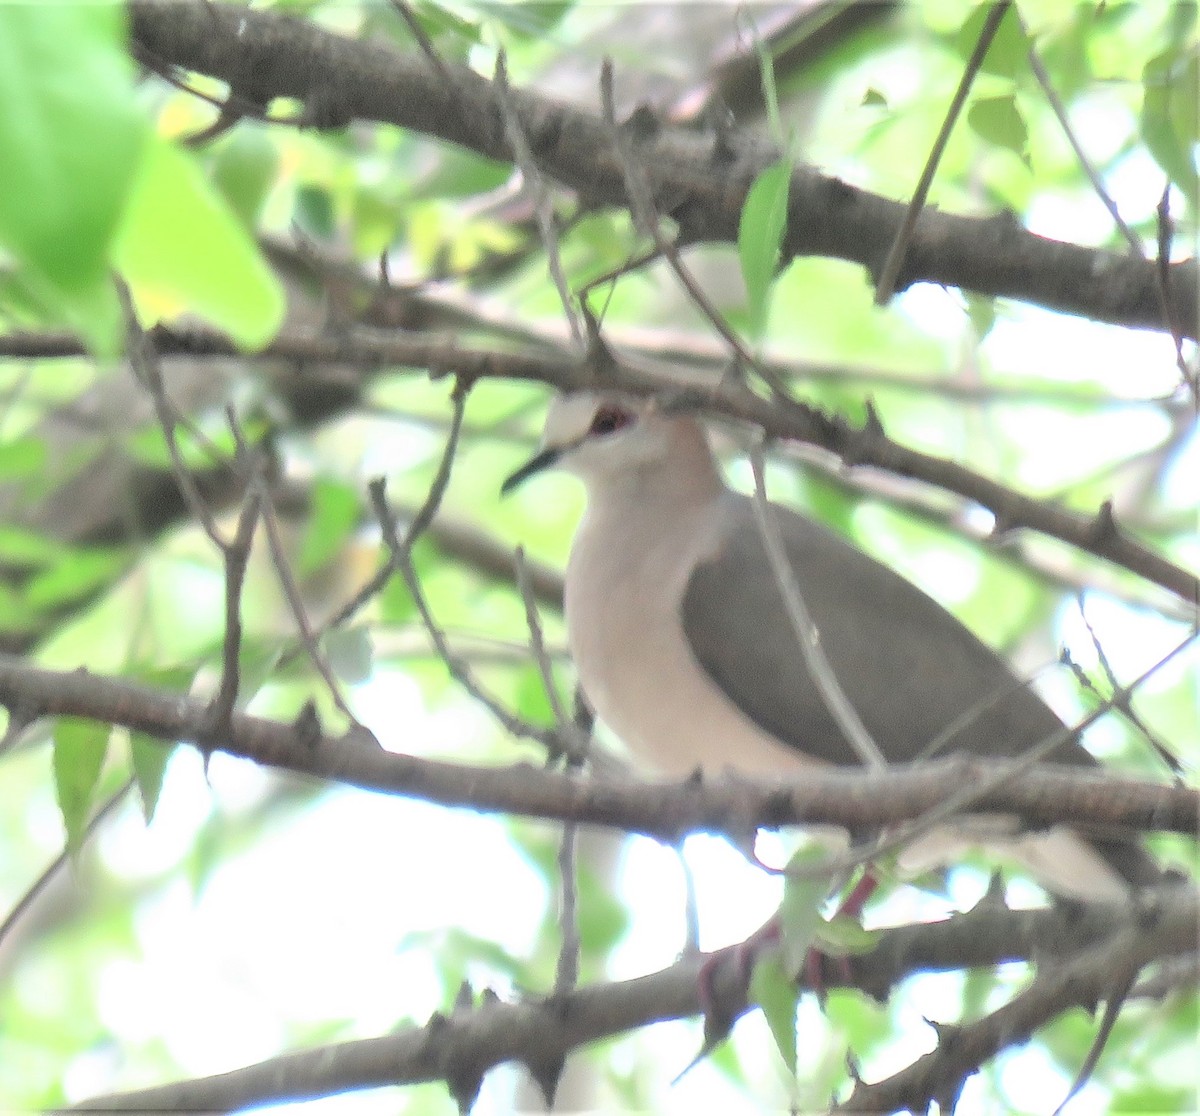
{"x":609,"y":419}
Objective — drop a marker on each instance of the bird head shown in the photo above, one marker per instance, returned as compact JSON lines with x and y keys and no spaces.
{"x":599,"y":436}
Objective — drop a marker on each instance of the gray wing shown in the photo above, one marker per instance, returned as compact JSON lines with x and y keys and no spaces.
{"x":909,"y":668}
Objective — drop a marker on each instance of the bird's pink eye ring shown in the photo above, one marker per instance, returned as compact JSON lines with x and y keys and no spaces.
{"x":609,"y":419}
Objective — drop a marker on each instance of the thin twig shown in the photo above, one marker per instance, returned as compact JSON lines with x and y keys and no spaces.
{"x":886,"y":286}
{"x":566,"y":972}
{"x":235,"y":553}
{"x":537,"y":643}
{"x":659,"y":372}
{"x":237,"y":558}
{"x":566,"y":968}
{"x":1116,"y":999}
{"x":542,"y":208}
{"x":1125,"y":707}
{"x":401,"y":562}
{"x":441,"y":478}
{"x":816,"y":663}
{"x":143,"y":359}
{"x":1060,"y":113}
{"x":646,"y":220}
{"x":419,"y":522}
{"x":61,"y":861}
{"x":1162,"y":283}
{"x":309,"y":638}
{"x":232,"y":102}
{"x":404,"y":10}
{"x":1079,"y":978}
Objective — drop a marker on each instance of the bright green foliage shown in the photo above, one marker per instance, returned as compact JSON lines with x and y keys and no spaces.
{"x":70,"y":143}
{"x":1171,"y":114}
{"x":244,"y":169}
{"x":800,"y":912}
{"x":760,"y":235}
{"x":333,"y":515}
{"x":776,"y":995}
{"x":998,"y":120}
{"x":1008,"y":54}
{"x":79,"y":749}
{"x":21,"y":457}
{"x":148,"y":758}
{"x":181,"y":248}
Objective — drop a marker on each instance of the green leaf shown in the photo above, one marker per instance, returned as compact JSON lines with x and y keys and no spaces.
{"x":21,"y":457}
{"x":213,"y":446}
{"x":530,"y":20}
{"x":1183,"y":20}
{"x":776,"y":995}
{"x":981,"y":309}
{"x":760,"y":235}
{"x":204,"y":856}
{"x":334,"y":513}
{"x":1008,"y":54}
{"x":15,"y":613}
{"x":1170,"y":111}
{"x":1148,"y":1097}
{"x":257,"y":662}
{"x":314,"y":211}
{"x":21,"y":547}
{"x":844,"y":936}
{"x":243,"y":170}
{"x":458,"y":948}
{"x":181,"y":248}
{"x":800,"y":910}
{"x":998,"y":121}
{"x":978,"y":985}
{"x":74,"y":576}
{"x":453,"y":35}
{"x":531,"y":701}
{"x":603,"y":920}
{"x":396,"y":605}
{"x":770,"y":92}
{"x":21,"y":307}
{"x":149,"y":758}
{"x":79,"y":748}
{"x":376,"y":221}
{"x":460,"y":174}
{"x":70,"y":139}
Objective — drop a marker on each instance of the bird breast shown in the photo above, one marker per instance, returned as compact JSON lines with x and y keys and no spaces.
{"x":626,"y":636}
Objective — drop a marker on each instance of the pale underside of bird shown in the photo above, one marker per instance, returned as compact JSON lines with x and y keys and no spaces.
{"x":683,"y":646}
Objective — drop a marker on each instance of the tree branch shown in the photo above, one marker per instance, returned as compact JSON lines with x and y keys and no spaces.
{"x":441,"y":355}
{"x":265,"y":55}
{"x":461,"y":1047}
{"x":1080,"y":981}
{"x":1045,"y":796}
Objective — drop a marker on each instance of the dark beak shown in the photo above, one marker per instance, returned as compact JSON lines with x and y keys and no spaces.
{"x":535,"y":464}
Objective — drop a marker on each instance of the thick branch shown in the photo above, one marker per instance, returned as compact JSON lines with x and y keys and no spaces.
{"x":857,"y":800}
{"x":1092,"y":975}
{"x":462,"y":1047}
{"x":698,"y":179}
